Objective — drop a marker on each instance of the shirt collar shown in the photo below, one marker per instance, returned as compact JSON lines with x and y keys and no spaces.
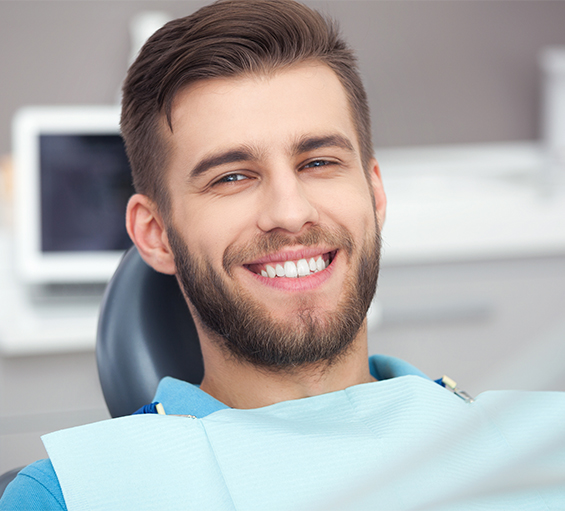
{"x":182,"y":398}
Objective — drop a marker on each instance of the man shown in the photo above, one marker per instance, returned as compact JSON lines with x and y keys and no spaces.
{"x":248,"y":133}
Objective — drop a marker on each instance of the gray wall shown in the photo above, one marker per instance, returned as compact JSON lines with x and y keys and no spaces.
{"x":437,"y":71}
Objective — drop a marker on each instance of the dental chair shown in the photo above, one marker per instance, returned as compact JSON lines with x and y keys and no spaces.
{"x":145,"y":332}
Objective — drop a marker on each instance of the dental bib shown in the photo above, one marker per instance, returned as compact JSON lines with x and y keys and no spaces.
{"x":399,"y":444}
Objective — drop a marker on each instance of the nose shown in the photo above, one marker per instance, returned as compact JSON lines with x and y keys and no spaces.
{"x":286,"y":204}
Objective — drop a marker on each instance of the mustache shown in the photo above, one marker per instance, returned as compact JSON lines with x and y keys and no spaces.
{"x":267,"y":243}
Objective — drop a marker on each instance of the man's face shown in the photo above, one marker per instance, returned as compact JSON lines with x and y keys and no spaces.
{"x":273,"y":223}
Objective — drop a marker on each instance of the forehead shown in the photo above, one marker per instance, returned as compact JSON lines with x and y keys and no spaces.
{"x":267,"y":112}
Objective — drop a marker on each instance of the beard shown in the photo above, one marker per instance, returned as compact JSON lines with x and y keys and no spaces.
{"x":245,"y":329}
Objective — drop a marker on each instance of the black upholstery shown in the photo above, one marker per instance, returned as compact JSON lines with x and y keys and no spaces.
{"x":145,"y":332}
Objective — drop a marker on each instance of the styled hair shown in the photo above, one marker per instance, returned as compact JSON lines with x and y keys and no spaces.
{"x":228,"y":38}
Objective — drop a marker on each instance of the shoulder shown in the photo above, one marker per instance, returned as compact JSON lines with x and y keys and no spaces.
{"x":36,"y":487}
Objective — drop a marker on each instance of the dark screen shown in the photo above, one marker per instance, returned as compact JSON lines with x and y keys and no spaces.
{"x":85,"y":186}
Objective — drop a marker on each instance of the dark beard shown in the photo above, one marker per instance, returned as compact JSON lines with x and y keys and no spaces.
{"x":245,"y":329}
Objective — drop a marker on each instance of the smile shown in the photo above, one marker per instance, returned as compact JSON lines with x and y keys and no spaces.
{"x":293,"y":268}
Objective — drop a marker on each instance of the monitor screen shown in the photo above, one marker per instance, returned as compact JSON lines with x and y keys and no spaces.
{"x":85,"y":186}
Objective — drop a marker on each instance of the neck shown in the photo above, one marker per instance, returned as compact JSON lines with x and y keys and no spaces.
{"x":241,"y":385}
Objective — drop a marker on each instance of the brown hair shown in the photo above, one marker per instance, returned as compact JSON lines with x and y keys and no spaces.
{"x":226,"y":38}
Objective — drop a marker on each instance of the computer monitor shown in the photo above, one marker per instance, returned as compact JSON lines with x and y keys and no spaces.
{"x":72,"y":181}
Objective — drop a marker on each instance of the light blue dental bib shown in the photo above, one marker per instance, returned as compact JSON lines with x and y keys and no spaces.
{"x":399,"y":444}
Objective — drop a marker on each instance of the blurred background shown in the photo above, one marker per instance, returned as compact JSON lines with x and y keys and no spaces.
{"x":468,"y":107}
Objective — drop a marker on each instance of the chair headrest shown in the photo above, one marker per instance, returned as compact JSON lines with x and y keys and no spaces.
{"x":145,"y":332}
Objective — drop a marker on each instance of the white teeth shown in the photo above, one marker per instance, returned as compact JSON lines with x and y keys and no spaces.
{"x":312,"y":264}
{"x":303,"y":268}
{"x":290,"y":269}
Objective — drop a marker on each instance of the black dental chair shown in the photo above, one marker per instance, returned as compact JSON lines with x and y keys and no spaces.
{"x":145,"y":332}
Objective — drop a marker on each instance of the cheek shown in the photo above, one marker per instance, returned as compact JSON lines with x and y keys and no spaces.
{"x":209,"y":229}
{"x":350,"y":205}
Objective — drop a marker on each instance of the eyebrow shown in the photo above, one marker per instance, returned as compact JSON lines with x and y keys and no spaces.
{"x":229,"y":156}
{"x":310,"y":143}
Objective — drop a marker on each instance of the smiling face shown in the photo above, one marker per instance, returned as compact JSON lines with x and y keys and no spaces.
{"x":273,"y":220}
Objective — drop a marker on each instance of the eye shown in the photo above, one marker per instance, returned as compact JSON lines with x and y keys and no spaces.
{"x":231,"y":178}
{"x":317,"y":163}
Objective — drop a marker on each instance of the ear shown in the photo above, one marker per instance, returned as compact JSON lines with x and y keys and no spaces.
{"x":146,"y":228}
{"x":378,"y":192}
